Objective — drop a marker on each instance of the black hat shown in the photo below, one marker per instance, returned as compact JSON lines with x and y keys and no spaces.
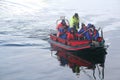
{"x":76,"y":15}
{"x":82,"y":24}
{"x":63,"y":22}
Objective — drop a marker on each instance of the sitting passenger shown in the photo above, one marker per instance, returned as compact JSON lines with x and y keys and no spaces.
{"x":62,"y":29}
{"x":71,"y":35}
{"x":62,"y":33}
{"x":82,"y":33}
{"x":62,"y":25}
{"x":93,"y":33}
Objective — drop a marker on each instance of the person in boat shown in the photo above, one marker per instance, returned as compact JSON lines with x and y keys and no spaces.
{"x":74,"y":22}
{"x":71,"y":35}
{"x":62,"y":33}
{"x":93,"y":33}
{"x":83,"y":33}
{"x":62,"y":29}
{"x":62,"y":25}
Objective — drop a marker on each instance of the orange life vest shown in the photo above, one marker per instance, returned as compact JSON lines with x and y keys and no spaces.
{"x":70,"y":36}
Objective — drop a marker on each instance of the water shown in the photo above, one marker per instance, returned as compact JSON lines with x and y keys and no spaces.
{"x":24,"y":29}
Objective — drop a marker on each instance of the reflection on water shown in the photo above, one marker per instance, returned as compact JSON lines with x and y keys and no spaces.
{"x":83,"y":61}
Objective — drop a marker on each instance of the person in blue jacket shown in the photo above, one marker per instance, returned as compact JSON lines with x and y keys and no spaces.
{"x":62,"y":33}
{"x":83,"y":33}
{"x":93,"y":33}
{"x":88,"y":32}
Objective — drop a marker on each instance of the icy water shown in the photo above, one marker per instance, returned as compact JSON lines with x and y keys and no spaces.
{"x":24,"y":30}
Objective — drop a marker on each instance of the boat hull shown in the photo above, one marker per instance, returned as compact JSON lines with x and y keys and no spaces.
{"x":72,"y":45}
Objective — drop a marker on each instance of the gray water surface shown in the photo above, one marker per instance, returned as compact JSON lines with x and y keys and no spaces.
{"x":24,"y":30}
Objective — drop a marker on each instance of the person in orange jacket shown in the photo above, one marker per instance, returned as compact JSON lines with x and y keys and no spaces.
{"x":71,"y":35}
{"x":62,"y":25}
{"x":62,"y":29}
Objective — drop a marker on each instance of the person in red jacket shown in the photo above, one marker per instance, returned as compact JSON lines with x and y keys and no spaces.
{"x":71,"y":35}
{"x":62,"y":29}
{"x":61,"y":25}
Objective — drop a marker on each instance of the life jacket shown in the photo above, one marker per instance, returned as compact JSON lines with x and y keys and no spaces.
{"x":74,"y":22}
{"x":59,"y":26}
{"x":70,"y":36}
{"x":93,"y":34}
{"x":62,"y":33}
{"x":99,"y":39}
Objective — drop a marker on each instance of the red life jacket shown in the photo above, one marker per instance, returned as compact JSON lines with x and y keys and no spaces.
{"x":99,"y":39}
{"x":70,"y":36}
{"x":59,"y":26}
{"x":95,"y":32}
{"x":92,"y":33}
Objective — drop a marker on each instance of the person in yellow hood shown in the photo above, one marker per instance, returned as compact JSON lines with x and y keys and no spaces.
{"x":74,"y":21}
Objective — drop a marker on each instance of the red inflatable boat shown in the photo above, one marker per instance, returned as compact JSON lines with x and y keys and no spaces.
{"x":73,"y":45}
